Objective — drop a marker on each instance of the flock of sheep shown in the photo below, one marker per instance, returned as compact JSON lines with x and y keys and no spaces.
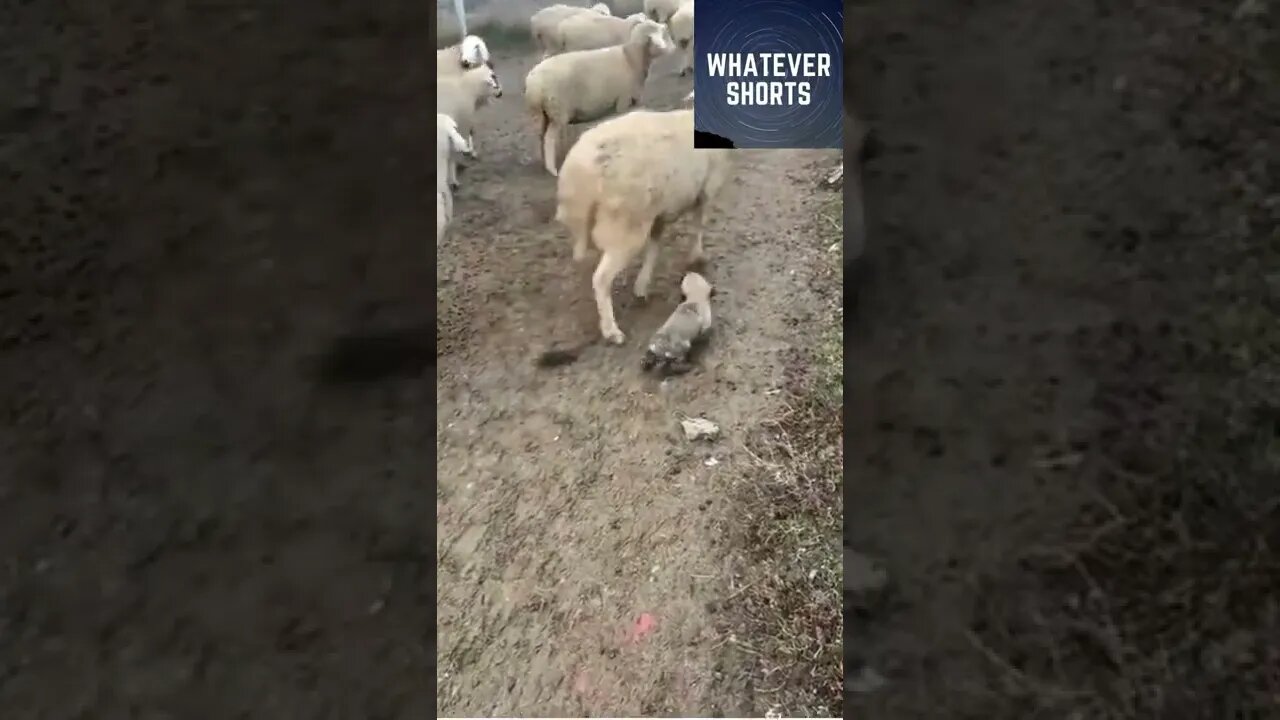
{"x":625,"y":179}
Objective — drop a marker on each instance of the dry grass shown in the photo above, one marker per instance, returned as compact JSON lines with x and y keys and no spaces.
{"x":789,"y":603}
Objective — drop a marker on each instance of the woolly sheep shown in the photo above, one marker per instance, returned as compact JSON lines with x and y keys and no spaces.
{"x":546,"y":19}
{"x":622,"y":183}
{"x":460,"y":96}
{"x":470,"y":53}
{"x":449,"y":144}
{"x":681,"y":25}
{"x":660,"y":10}
{"x":589,"y":31}
{"x":587,"y":85}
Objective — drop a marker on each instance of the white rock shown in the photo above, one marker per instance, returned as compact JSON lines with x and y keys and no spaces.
{"x":699,"y":428}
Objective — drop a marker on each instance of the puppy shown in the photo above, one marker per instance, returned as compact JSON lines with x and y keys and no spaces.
{"x":669,"y":349}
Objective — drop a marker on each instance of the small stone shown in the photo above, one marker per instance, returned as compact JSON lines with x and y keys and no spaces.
{"x":699,"y":429}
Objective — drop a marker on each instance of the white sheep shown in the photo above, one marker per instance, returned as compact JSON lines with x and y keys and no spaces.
{"x":681,"y":25}
{"x":543,"y":21}
{"x":470,"y":53}
{"x":589,"y":31}
{"x":622,"y":183}
{"x":460,"y":96}
{"x":449,"y":144}
{"x":660,"y":10}
{"x":587,"y":85}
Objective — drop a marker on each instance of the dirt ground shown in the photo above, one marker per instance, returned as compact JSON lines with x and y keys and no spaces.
{"x":214,"y":224}
{"x":214,"y":221}
{"x":569,"y":506}
{"x":1063,"y":326}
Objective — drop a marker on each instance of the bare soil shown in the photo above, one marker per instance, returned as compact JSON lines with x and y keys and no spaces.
{"x":1056,"y":425}
{"x":216,"y":376}
{"x":569,"y":505}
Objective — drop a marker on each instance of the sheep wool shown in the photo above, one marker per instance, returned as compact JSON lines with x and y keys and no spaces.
{"x":587,"y":85}
{"x":459,"y":97}
{"x":543,"y":22}
{"x":470,"y":53}
{"x":660,"y":10}
{"x":590,"y":31}
{"x":449,"y":144}
{"x":681,"y":24}
{"x":622,"y":183}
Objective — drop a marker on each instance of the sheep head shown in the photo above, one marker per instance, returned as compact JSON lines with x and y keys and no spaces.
{"x":473,"y":52}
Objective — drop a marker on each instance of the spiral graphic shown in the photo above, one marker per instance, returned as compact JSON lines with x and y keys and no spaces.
{"x":770,"y":26}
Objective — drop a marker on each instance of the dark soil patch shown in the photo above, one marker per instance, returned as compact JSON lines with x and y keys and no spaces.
{"x":1068,"y":362}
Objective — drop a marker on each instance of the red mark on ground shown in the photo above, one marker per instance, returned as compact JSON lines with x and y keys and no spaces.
{"x":580,"y":684}
{"x":643,"y":626}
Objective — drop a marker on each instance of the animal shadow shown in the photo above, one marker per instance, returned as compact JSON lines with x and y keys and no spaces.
{"x":379,"y":355}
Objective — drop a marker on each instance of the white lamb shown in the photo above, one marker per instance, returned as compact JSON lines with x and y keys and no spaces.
{"x":546,"y":19}
{"x":681,"y":25}
{"x":589,"y":31}
{"x":587,"y":85}
{"x":459,"y":97}
{"x":470,"y":53}
{"x":660,"y":10}
{"x":622,"y":183}
{"x":449,"y":145}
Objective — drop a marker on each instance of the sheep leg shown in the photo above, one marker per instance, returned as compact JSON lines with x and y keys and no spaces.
{"x":641,"y":289}
{"x":612,"y":262}
{"x":651,"y":252}
{"x":549,"y":149}
{"x":695,"y":248}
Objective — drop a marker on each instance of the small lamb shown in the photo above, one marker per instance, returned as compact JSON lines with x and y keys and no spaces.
{"x":669,"y":349}
{"x":470,"y":53}
{"x":460,"y":96}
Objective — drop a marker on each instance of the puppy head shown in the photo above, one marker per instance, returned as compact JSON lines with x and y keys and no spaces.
{"x":601,"y":8}
{"x":695,"y":288}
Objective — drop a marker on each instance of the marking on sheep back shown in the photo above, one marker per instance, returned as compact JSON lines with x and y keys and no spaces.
{"x":769,"y":73}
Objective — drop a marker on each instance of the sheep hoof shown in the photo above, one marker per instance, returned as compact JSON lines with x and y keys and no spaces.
{"x":614,"y":336}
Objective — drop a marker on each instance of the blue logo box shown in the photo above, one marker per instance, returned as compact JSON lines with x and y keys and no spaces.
{"x":768,"y":73}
